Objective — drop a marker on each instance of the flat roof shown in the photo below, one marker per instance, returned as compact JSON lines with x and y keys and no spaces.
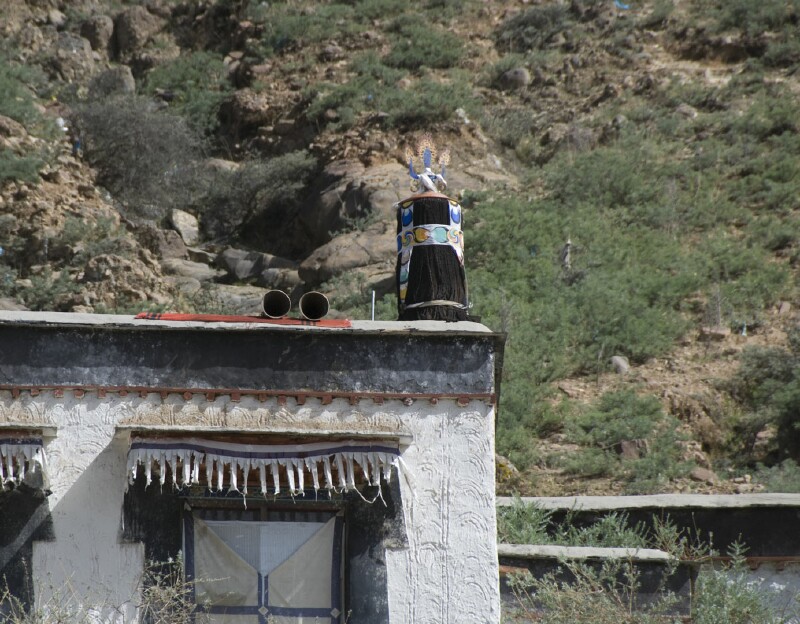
{"x":415,"y":359}
{"x":28,"y":318}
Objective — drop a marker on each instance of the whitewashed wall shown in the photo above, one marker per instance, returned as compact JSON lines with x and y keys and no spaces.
{"x":448,"y":573}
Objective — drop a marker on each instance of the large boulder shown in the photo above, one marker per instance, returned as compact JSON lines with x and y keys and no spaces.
{"x":133,"y":28}
{"x":246,"y":110}
{"x":162,"y":243}
{"x":242,"y":265}
{"x":186,"y":225}
{"x":11,"y":128}
{"x":115,"y":81}
{"x":98,"y":30}
{"x":187,"y":268}
{"x":348,"y":193}
{"x":244,"y":300}
{"x":376,"y":244}
{"x":71,"y":59}
{"x":282,"y":279}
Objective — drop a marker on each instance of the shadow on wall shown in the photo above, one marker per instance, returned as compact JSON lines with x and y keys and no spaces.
{"x":24,"y":518}
{"x":85,"y":562}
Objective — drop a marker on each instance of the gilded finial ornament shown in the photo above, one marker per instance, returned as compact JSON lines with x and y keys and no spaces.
{"x":427,"y":180}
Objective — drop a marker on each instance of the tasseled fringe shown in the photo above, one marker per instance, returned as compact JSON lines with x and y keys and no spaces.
{"x":18,"y":456}
{"x":185,"y":457}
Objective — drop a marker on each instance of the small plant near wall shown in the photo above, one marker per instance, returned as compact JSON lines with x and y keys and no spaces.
{"x":167,"y":597}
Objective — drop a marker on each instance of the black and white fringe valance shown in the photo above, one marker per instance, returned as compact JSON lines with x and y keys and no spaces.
{"x":323,"y":465}
{"x":20,"y":455}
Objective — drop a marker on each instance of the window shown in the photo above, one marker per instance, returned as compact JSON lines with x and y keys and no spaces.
{"x":285,"y":569}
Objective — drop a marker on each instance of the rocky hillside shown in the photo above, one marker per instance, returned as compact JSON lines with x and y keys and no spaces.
{"x":627,"y":172}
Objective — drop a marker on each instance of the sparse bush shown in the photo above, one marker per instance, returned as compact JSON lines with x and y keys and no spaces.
{"x":147,"y":158}
{"x":783,"y":477}
{"x":264,"y":191}
{"x":727,"y":594}
{"x":197,"y":85}
{"x":533,"y":27}
{"x":768,"y":384}
{"x":420,"y":105}
{"x":582,"y":593}
{"x":17,"y":103}
{"x":167,"y":597}
{"x":287,"y":25}
{"x":22,"y":168}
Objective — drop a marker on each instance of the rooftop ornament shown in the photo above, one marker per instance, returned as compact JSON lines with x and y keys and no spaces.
{"x":431,"y":282}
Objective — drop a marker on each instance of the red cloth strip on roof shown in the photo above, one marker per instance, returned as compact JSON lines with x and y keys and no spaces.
{"x":224,"y":318}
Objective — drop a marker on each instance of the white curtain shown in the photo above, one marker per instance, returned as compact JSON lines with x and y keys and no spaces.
{"x":251,"y":571}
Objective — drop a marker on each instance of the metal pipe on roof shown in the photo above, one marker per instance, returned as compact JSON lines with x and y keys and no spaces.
{"x":275,"y":304}
{"x":314,"y":305}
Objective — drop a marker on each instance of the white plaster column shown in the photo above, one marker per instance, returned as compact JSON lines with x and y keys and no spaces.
{"x":86,"y":567}
{"x":449,"y":572}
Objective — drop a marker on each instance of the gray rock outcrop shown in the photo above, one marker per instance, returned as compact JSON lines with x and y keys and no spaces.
{"x":133,"y":28}
{"x":115,"y":81}
{"x":186,"y":225}
{"x":98,"y":30}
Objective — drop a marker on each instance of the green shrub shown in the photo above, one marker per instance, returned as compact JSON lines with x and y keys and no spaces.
{"x":532,"y":28}
{"x":16,"y":98}
{"x":260,"y":191}
{"x":17,"y":102}
{"x":783,"y":477}
{"x":727,"y":594}
{"x":768,"y":385}
{"x":22,"y":168}
{"x":48,"y":288}
{"x":529,"y":523}
{"x":425,"y":103}
{"x":198,"y":84}
{"x":589,"y":463}
{"x":617,"y":417}
{"x":523,"y":523}
{"x":365,"y":91}
{"x":374,"y":88}
{"x":288,"y":25}
{"x":418,"y":44}
{"x":757,"y":17}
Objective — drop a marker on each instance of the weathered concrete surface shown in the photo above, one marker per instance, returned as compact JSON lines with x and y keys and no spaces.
{"x":446,"y":360}
{"x":579,"y":553}
{"x":724,"y":519}
{"x":658,"y":501}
